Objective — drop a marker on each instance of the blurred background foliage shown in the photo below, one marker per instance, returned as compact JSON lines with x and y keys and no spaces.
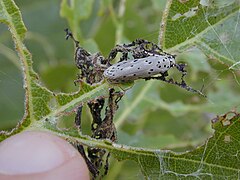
{"x":152,"y":114}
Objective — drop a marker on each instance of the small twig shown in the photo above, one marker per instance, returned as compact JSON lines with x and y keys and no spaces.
{"x":69,"y":34}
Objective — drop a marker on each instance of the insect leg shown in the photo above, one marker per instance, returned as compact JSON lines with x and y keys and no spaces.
{"x":119,"y":97}
{"x":181,"y":68}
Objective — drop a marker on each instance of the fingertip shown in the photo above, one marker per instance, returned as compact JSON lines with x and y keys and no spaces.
{"x":40,"y":155}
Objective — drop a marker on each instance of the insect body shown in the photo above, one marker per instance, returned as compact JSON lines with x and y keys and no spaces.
{"x":130,"y":70}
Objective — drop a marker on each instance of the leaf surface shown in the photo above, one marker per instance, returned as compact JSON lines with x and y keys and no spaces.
{"x":198,"y":24}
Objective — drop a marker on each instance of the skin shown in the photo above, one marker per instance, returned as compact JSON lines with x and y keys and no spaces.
{"x":40,"y":155}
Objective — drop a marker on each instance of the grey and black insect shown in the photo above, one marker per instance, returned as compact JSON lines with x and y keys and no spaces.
{"x":130,"y":70}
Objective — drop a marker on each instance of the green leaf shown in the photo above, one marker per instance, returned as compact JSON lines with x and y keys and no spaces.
{"x":40,"y":103}
{"x":214,"y":159}
{"x":211,"y":26}
{"x":10,"y":15}
{"x":217,"y":158}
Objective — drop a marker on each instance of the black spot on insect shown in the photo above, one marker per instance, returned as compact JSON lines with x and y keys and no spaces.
{"x":121,"y":69}
{"x":165,"y":65}
{"x":146,"y":60}
{"x":131,"y":65}
{"x":124,"y":76}
{"x":163,"y":60}
{"x":159,"y":62}
{"x":151,"y":69}
{"x":159,"y":66}
{"x":134,"y":74}
{"x":135,"y":60}
{"x":139,"y":68}
{"x":149,"y":62}
{"x":118,"y":65}
{"x":149,"y":72}
{"x":113,"y":75}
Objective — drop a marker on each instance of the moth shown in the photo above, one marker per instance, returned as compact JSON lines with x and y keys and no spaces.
{"x":130,"y":70}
